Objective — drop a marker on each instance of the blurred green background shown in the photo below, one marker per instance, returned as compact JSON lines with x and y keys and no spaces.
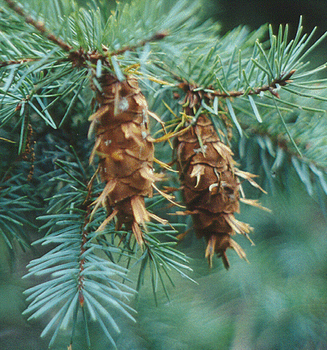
{"x":278,"y":301}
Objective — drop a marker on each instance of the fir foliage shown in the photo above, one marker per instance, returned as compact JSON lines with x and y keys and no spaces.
{"x":262,"y":97}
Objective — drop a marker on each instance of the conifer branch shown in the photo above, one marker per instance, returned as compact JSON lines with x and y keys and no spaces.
{"x":39,"y":26}
{"x":287,"y":146}
{"x":87,"y":278}
{"x":77,"y":57}
{"x":16,"y":201}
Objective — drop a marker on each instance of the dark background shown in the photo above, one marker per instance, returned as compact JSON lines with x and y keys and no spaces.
{"x":254,"y":13}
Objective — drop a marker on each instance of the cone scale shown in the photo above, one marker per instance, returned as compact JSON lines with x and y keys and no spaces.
{"x":125,"y":152}
{"x":210,"y":188}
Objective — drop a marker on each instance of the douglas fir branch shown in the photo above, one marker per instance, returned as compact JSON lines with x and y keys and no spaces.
{"x":50,"y":58}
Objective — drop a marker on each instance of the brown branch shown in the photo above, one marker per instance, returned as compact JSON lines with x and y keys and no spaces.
{"x":79,"y":57}
{"x":27,"y":60}
{"x":281,"y":81}
{"x":21,"y":61}
{"x":85,"y":231}
{"x":156,"y":37}
{"x":82,"y":260}
{"x":39,"y":26}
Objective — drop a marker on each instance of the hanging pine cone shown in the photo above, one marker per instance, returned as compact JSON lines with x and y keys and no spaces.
{"x":125,"y":150}
{"x":211,"y":188}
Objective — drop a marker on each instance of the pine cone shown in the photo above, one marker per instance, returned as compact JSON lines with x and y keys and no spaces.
{"x":210,"y":188}
{"x":125,"y":150}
